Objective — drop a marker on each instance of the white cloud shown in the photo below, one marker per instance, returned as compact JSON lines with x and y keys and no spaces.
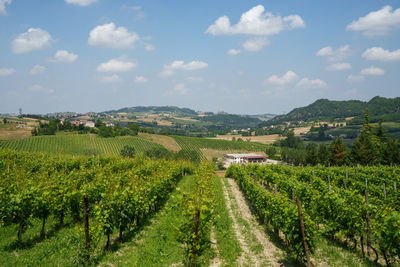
{"x":340,"y":53}
{"x":110,"y":36}
{"x":3,"y":6}
{"x":234,"y":52}
{"x":110,"y":79}
{"x":306,"y":83}
{"x":80,"y":2}
{"x":40,"y":89}
{"x":256,"y":22}
{"x":37,"y":69}
{"x":180,"y":65}
{"x":255,"y":44}
{"x":380,"y":54}
{"x":33,"y":39}
{"x":372,"y":71}
{"x":63,"y":56}
{"x":116,"y":65}
{"x":355,"y":78}
{"x":377,"y":23}
{"x":179,"y":89}
{"x":339,"y":66}
{"x":141,"y":79}
{"x":194,"y":79}
{"x":149,"y":47}
{"x":6,"y":72}
{"x":288,"y":77}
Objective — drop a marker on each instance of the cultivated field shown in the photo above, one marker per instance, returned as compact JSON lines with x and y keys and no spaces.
{"x":263,"y":139}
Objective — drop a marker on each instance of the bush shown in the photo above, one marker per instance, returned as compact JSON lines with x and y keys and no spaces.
{"x":128,"y":152}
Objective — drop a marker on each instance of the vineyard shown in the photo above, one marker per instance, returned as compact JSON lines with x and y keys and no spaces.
{"x":197,"y":143}
{"x":82,"y":144}
{"x":357,"y":206}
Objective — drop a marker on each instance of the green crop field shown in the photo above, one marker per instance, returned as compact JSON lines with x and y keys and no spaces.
{"x":78,"y":144}
{"x":225,"y":145}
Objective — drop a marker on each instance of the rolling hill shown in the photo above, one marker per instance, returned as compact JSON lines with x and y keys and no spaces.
{"x":380,"y":108}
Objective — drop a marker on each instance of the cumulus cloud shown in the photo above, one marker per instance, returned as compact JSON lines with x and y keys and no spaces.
{"x":40,"y":89}
{"x":141,"y":79}
{"x":37,"y":69}
{"x":340,"y":53}
{"x":377,"y":23}
{"x":110,"y":36}
{"x":63,"y":56}
{"x":116,"y":65}
{"x":288,"y":77}
{"x":372,"y":71}
{"x":355,"y":78}
{"x":255,"y":44}
{"x":6,"y":72}
{"x":110,"y":79}
{"x":81,"y":2}
{"x":234,"y":52}
{"x":33,"y":39}
{"x":170,"y":69}
{"x":179,"y":89}
{"x":149,"y":47}
{"x":306,"y":83}
{"x":339,"y":66}
{"x":3,"y":6}
{"x":380,"y":54}
{"x":256,"y":22}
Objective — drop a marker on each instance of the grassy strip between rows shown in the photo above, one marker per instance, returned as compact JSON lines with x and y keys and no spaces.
{"x":227,"y":242}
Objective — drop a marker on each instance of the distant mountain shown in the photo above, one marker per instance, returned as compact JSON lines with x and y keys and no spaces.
{"x":263,"y":117}
{"x":231,"y":120}
{"x":157,"y":110}
{"x":383,"y":108}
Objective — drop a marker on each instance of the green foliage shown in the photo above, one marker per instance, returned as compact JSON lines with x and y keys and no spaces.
{"x":128,"y":152}
{"x":338,"y":152}
{"x":271,"y":151}
{"x":198,"y":213}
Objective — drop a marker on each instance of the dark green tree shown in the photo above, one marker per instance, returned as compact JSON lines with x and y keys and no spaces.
{"x":128,"y":151}
{"x":312,"y":154}
{"x":323,"y":156}
{"x":337,"y":152}
{"x":365,"y":149}
{"x":271,"y":151}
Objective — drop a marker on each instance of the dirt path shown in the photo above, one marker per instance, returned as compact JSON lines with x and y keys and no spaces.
{"x":257,"y":249}
{"x":216,"y":261}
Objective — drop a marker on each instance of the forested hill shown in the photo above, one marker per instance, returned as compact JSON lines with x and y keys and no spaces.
{"x":380,"y":108}
{"x":156,"y":110}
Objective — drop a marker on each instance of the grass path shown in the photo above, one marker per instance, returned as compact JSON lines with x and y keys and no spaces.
{"x":257,"y":249}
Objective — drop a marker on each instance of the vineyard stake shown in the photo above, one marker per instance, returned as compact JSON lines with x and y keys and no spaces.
{"x":276,"y":189}
{"x":303,"y":233}
{"x":86,"y":215}
{"x":394,"y":186}
{"x":368,"y":223}
{"x":293,"y":195}
{"x":384,"y":190}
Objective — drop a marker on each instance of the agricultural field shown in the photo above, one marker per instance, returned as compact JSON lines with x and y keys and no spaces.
{"x":309,"y":208}
{"x":143,"y":212}
{"x":263,"y":139}
{"x":78,"y":144}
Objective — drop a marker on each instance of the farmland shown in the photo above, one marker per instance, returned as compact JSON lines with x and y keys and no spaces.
{"x":83,"y":144}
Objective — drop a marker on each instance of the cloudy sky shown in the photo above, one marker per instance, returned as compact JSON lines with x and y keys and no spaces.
{"x":245,"y":57}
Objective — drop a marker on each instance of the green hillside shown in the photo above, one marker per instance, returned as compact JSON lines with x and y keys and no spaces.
{"x":380,"y":108}
{"x":82,"y":144}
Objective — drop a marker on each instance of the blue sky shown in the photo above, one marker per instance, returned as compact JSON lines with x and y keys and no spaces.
{"x":244,"y":57}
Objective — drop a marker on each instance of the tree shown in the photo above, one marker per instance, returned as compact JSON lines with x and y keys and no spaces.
{"x":312,"y":154}
{"x":323,"y":154}
{"x":98,"y":123}
{"x":365,"y":149}
{"x":5,"y":121}
{"x":292,"y":141}
{"x":338,"y":152}
{"x":128,"y":152}
{"x":270,"y":151}
{"x":391,"y":152}
{"x":133,"y":129}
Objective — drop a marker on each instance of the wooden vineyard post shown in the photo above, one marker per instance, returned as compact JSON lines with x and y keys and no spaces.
{"x":394,"y":186}
{"x":303,"y":233}
{"x":276,"y":189}
{"x":196,"y":237}
{"x":329,"y":181}
{"x":384,"y":190}
{"x":293,"y":196}
{"x":368,"y":223}
{"x":86,"y":222}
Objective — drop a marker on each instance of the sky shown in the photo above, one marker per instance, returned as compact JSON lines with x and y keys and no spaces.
{"x":242,"y":57}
